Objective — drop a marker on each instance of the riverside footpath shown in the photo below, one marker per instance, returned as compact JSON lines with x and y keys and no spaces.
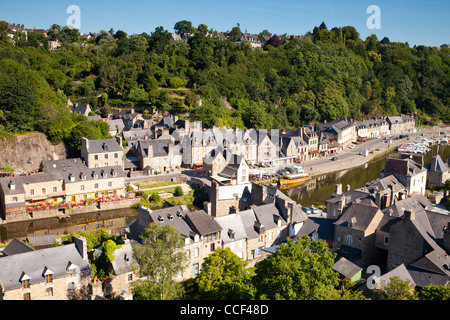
{"x":350,"y":158}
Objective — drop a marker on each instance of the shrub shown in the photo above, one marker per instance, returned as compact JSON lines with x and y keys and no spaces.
{"x":178,"y":192}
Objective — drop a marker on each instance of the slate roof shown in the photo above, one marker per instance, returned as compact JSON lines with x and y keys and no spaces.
{"x":34,"y":264}
{"x":402,"y":167}
{"x":175,"y":216}
{"x":361,"y":213}
{"x":202,"y":223}
{"x":437,"y":165}
{"x":103,"y":145}
{"x":231,"y":223}
{"x":383,"y":184}
{"x":326,"y":228}
{"x":63,"y":164}
{"x":16,"y":247}
{"x":44,"y":240}
{"x":268,"y":215}
{"x":248,"y":220}
{"x":346,"y":268}
{"x":401,"y":271}
{"x":160,"y":147}
{"x":81,"y":174}
{"x":122,"y":259}
{"x":416,"y":202}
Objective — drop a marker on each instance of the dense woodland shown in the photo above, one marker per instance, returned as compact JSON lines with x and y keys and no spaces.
{"x":287,"y":83}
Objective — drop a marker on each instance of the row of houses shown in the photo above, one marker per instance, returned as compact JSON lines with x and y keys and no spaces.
{"x":62,"y":185}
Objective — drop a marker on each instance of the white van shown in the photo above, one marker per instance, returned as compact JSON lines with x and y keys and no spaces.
{"x":298,"y":168}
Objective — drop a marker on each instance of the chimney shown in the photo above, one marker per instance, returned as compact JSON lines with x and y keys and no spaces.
{"x":338,"y":189}
{"x":347,"y":187}
{"x":81,"y":245}
{"x":95,"y":288}
{"x":85,"y":144}
{"x":391,"y":195}
{"x":447,"y":237}
{"x":409,"y":214}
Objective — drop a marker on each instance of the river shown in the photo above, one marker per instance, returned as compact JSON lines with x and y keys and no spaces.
{"x":316,"y":192}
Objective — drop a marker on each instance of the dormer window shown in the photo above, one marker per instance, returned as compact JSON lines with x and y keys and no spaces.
{"x":71,"y":178}
{"x":82,"y":176}
{"x":71,"y":268}
{"x":25,"y":280}
{"x":104,"y":174}
{"x":12,"y":186}
{"x":105,"y":146}
{"x":114,"y":173}
{"x":94,"y":175}
{"x":48,"y":275}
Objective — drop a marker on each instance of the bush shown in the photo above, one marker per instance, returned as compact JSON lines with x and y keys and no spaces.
{"x":178,"y":192}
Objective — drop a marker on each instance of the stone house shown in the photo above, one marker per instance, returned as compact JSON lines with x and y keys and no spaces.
{"x":410,"y":173}
{"x":356,"y":229}
{"x":214,"y":162}
{"x":102,"y":153}
{"x":343,"y":130}
{"x":59,"y":273}
{"x":396,"y":124}
{"x":268,"y":146}
{"x":158,"y":155}
{"x":233,"y":234}
{"x":438,"y":172}
{"x":122,"y":272}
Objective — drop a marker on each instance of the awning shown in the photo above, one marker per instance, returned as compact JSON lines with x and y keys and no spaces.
{"x":314,"y":152}
{"x":198,"y":164}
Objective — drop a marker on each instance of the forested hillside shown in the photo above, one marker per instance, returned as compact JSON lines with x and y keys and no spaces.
{"x":288,"y":83}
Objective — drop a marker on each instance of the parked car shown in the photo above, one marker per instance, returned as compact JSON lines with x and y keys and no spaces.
{"x":290,"y":170}
{"x":335,"y":159}
{"x":352,"y":146}
{"x":314,"y":209}
{"x":307,"y":210}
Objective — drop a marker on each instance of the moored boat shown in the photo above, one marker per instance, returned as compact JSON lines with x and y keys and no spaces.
{"x":289,"y":180}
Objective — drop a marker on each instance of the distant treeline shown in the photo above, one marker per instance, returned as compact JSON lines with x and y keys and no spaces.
{"x":286,"y":83}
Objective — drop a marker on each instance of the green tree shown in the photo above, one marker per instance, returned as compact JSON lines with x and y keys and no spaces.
{"x":160,"y":258}
{"x":397,"y":289}
{"x":203,"y":28}
{"x":183,"y":26}
{"x":223,"y":277}
{"x":18,"y":104}
{"x":298,"y":270}
{"x":435,"y":292}
{"x":178,"y":192}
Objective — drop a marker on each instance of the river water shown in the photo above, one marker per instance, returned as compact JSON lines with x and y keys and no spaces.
{"x":316,"y":192}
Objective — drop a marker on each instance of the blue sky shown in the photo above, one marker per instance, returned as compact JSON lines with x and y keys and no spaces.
{"x":414,"y":21}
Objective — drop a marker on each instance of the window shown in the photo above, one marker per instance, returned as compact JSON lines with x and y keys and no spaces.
{"x":196,"y":252}
{"x":195,"y":269}
{"x":386,"y":240}
{"x":48,"y":278}
{"x":26,"y":284}
{"x":109,"y":184}
{"x":27,"y":296}
{"x":32,"y":192}
{"x":213,"y":247}
{"x":106,"y":156}
{"x":116,"y":155}
{"x":55,"y":189}
{"x":44,"y":191}
{"x":96,"y":157}
{"x":96,"y":186}
{"x":14,"y":199}
{"x":349,"y":239}
{"x":130,"y":277}
{"x":49,"y":291}
{"x":82,"y":187}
